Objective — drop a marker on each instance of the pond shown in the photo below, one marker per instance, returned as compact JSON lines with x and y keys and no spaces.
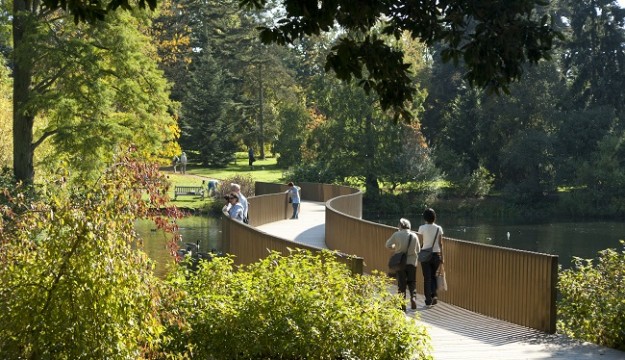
{"x":202,"y":230}
{"x":566,"y":239}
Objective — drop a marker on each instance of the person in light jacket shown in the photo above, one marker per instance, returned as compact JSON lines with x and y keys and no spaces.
{"x":234,"y":209}
{"x":398,"y":242}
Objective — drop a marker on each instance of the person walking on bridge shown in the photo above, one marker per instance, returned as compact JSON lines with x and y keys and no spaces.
{"x":404,"y":240}
{"x":432,"y":238}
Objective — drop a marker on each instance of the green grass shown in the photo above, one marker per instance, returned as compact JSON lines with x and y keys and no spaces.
{"x":264,"y":171}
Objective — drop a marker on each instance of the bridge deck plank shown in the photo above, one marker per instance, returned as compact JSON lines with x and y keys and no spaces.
{"x":457,"y":333}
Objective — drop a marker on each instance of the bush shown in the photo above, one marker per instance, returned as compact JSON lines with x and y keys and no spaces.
{"x":478,"y":184}
{"x":313,"y":172}
{"x":592,"y":306}
{"x":72,"y":283}
{"x":302,"y":306}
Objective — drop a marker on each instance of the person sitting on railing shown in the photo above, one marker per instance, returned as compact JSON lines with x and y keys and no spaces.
{"x":405,"y":241}
{"x":234,"y":209}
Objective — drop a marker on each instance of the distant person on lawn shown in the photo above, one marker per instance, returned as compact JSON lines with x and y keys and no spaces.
{"x":183,"y":163}
{"x":175,"y":161}
{"x":250,"y":157}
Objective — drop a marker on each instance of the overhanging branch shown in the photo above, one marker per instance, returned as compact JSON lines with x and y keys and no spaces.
{"x":43,"y":137}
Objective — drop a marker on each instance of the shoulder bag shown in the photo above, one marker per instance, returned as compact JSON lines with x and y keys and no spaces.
{"x":397,"y":261}
{"x":425,"y":255}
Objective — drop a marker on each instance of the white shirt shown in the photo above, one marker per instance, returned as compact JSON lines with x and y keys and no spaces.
{"x":428,"y":231}
{"x":243,"y":202}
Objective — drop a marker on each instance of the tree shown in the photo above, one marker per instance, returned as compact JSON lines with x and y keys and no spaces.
{"x":359,"y":140}
{"x":97,"y":86}
{"x":502,"y":37}
{"x":206,"y":125}
{"x":290,"y":139}
{"x":505,"y":37}
{"x":594,"y":55}
{"x":6,"y":150}
{"x":268,"y":86}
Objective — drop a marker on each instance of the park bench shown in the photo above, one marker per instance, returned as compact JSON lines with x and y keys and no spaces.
{"x":188,"y":190}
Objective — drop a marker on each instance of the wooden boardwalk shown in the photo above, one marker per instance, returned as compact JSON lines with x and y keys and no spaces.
{"x":457,"y":333}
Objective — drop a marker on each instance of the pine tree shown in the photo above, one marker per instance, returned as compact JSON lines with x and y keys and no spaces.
{"x":206,"y":124}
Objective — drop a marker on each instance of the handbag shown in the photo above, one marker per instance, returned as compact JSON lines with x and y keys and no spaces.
{"x":425,"y":255}
{"x":397,"y":261}
{"x":441,"y":279}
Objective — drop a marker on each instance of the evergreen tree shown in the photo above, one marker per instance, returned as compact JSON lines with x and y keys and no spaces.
{"x":594,"y":55}
{"x":206,"y":123}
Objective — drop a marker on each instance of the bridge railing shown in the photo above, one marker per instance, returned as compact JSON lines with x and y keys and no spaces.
{"x":507,"y":284}
{"x":249,"y":244}
{"x":512,"y":285}
{"x":311,"y":191}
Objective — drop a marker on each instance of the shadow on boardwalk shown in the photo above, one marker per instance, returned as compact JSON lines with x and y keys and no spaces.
{"x":461,"y":334}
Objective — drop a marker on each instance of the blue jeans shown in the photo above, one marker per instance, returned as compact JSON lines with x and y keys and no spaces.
{"x":295,"y":211}
{"x":429,"y":269}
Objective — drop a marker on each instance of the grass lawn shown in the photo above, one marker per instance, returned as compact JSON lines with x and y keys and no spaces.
{"x":264,"y":171}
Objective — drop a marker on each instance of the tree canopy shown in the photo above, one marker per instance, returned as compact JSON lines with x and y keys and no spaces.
{"x":494,"y":38}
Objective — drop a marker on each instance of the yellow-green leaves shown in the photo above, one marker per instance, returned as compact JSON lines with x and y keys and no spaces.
{"x":303,"y":306}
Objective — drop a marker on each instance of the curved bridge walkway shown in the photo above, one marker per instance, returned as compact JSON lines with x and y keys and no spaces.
{"x":457,"y":333}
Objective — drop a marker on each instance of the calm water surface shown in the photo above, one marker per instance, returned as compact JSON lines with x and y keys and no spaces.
{"x":565,"y":239}
{"x":202,"y":230}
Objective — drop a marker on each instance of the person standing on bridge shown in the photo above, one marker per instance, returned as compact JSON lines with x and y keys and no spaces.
{"x":236,"y":189}
{"x":404,"y":240}
{"x":294,"y":199}
{"x":234,"y":208}
{"x":432,"y":237}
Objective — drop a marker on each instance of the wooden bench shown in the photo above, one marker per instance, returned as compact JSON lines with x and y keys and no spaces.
{"x":188,"y":190}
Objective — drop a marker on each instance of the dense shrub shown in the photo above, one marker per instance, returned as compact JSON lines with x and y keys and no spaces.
{"x":302,"y":306}
{"x":313,"y":172}
{"x":72,"y":283}
{"x":592,"y":306}
{"x":478,"y":184}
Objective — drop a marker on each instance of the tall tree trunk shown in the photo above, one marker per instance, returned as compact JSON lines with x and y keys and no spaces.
{"x":23,"y":121}
{"x":372,"y":187}
{"x":261,"y":120}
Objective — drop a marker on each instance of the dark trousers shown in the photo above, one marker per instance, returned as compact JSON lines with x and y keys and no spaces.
{"x":429,"y":269}
{"x":295,"y":211}
{"x":407,"y":277}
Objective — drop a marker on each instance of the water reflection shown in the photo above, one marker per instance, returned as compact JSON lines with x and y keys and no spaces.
{"x":565,"y":239}
{"x":202,"y":230}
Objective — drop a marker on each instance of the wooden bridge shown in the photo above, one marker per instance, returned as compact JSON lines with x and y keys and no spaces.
{"x":500,"y":303}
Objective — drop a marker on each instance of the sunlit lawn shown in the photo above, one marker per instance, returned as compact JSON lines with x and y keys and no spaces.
{"x":264,"y":171}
